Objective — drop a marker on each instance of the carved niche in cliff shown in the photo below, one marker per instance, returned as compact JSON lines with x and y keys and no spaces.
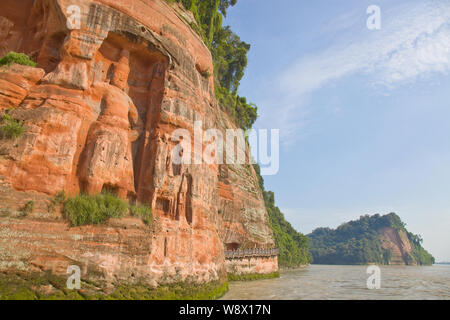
{"x":128,"y":79}
{"x":95,"y":110}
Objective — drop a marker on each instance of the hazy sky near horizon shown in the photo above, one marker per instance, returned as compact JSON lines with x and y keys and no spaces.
{"x":363,"y":114}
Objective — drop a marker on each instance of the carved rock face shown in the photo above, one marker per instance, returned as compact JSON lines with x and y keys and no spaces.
{"x":99,"y":111}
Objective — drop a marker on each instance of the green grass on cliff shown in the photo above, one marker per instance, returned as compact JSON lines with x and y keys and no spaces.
{"x":18,"y":58}
{"x":10,"y":128}
{"x":143,"y":212}
{"x":94,"y":210}
{"x":91,"y":210}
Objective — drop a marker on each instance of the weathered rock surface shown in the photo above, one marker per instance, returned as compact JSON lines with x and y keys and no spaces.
{"x":256,"y":265}
{"x":15,"y":83}
{"x":397,"y":242}
{"x":99,"y":111}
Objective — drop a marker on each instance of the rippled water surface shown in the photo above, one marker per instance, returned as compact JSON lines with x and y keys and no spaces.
{"x":348,"y":282}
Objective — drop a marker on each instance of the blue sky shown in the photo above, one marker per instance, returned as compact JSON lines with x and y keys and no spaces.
{"x":363,"y":114}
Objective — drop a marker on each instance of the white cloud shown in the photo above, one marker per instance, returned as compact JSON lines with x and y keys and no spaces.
{"x":414,"y":42}
{"x":427,"y":54}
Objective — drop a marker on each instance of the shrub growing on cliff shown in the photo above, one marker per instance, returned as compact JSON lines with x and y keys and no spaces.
{"x":294,"y":246}
{"x":27,"y":208}
{"x":85,"y":210}
{"x":229,"y":55}
{"x":10,"y":128}
{"x":57,"y":201}
{"x":91,"y":210}
{"x":419,"y":254}
{"x":60,"y":197}
{"x":19,"y":58}
{"x":143,"y":212}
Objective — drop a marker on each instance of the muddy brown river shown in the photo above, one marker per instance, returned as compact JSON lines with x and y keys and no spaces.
{"x":348,"y":282}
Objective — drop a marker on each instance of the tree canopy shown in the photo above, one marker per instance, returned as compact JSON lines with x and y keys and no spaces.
{"x":229,"y":54}
{"x":358,"y":242}
{"x":294,"y":246}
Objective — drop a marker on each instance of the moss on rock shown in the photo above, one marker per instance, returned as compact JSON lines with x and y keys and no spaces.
{"x":51,"y":287}
{"x":253,"y":276}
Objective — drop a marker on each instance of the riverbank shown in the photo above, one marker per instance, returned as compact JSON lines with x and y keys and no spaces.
{"x":50,"y":287}
{"x":289,"y":269}
{"x":253,"y":276}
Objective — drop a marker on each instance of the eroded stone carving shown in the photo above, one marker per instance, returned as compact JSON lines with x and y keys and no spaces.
{"x":99,"y":111}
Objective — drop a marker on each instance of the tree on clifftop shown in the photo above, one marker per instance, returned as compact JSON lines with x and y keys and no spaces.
{"x":229,"y":54}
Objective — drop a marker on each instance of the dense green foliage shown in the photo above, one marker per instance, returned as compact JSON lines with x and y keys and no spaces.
{"x":91,"y":210}
{"x":19,"y":58}
{"x":84,"y":209}
{"x":358,"y":242}
{"x":57,"y":201}
{"x":419,"y":254}
{"x":229,"y":54}
{"x":143,"y":212}
{"x":10,"y":128}
{"x":294,"y":246}
{"x":244,"y":113}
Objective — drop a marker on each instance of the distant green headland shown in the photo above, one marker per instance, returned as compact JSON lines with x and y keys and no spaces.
{"x":371,"y":239}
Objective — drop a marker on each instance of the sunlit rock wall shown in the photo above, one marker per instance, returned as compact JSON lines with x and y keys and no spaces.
{"x":99,"y":112}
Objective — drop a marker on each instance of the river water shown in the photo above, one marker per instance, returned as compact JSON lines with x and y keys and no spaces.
{"x":317,"y":282}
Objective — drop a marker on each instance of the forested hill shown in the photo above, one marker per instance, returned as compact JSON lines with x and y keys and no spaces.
{"x":294,"y":246}
{"x":371,"y":239}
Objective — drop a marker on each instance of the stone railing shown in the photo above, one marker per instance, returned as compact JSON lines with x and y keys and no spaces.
{"x":249,"y":253}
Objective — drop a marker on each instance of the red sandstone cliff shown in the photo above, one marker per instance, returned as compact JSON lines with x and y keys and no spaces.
{"x":397,"y":242}
{"x":99,"y":111}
